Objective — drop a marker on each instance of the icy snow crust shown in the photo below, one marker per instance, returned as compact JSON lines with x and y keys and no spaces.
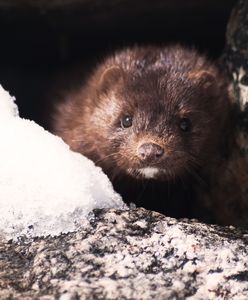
{"x":45,"y":189}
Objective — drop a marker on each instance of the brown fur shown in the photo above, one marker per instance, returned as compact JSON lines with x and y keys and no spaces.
{"x":158,"y":87}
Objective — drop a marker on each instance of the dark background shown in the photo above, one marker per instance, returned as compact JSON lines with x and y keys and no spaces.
{"x":41,"y":39}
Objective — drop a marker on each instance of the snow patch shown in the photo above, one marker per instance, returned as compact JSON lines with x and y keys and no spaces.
{"x":7,"y":105}
{"x":45,"y":188}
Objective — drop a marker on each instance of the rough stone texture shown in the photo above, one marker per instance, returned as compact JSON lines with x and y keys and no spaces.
{"x":133,"y":254}
{"x":236,"y":55}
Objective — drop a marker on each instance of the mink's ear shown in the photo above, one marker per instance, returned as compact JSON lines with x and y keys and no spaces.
{"x":110,"y":77}
{"x":206,"y":78}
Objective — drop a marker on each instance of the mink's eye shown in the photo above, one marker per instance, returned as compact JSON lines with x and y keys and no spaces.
{"x":126,"y":121}
{"x":185,"y":124}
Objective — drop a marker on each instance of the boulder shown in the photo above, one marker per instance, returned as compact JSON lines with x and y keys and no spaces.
{"x":132,"y":254}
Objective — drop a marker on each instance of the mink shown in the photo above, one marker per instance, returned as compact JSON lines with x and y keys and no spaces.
{"x":154,"y":119}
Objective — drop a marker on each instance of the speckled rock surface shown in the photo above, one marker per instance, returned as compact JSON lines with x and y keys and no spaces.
{"x":236,"y":51}
{"x":133,"y":254}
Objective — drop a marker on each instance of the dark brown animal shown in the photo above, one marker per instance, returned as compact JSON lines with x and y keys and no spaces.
{"x":153,"y":119}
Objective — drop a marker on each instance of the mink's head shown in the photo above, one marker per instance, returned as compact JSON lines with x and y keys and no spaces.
{"x":153,"y":113}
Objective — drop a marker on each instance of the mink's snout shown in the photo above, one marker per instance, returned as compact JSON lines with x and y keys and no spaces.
{"x":150,"y":152}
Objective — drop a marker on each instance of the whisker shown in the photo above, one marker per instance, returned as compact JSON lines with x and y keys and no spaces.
{"x":105,"y":157}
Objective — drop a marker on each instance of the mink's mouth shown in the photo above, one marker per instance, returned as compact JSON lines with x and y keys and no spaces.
{"x":147,"y":172}
{"x":155,"y":173}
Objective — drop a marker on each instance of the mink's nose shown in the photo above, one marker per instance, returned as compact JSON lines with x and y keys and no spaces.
{"x":150,"y":152}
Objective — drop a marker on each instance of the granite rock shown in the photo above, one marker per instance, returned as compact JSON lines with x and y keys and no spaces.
{"x":132,"y":254}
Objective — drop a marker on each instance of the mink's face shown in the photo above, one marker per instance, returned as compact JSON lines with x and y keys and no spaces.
{"x":158,"y":125}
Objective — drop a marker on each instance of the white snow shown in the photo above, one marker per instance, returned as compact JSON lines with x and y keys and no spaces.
{"x":45,"y":188}
{"x":8,"y":107}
